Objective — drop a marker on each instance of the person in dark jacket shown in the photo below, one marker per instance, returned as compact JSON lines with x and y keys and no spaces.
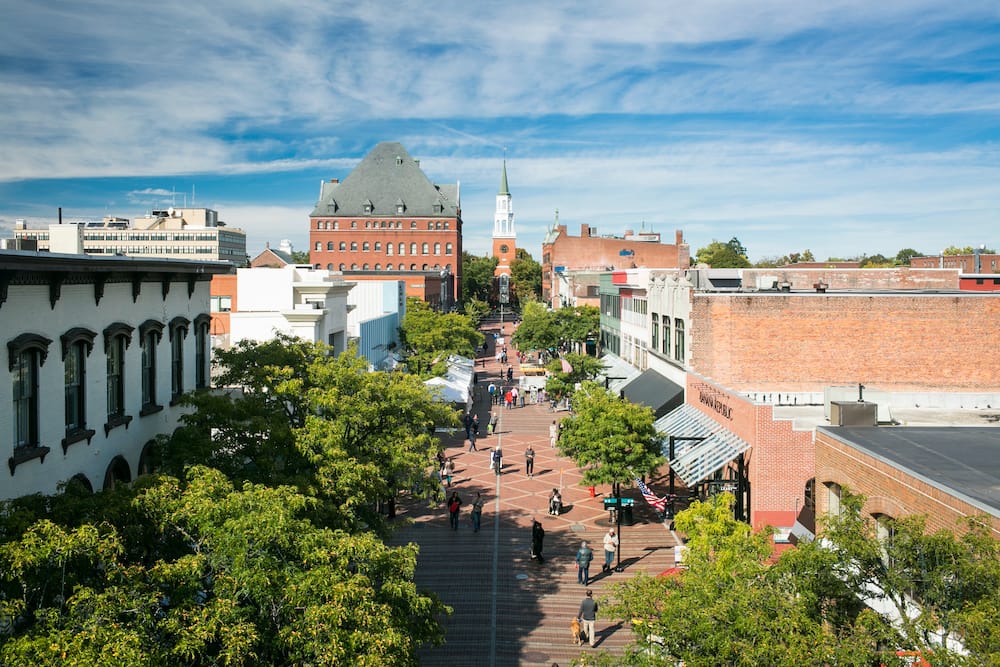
{"x":537,"y":537}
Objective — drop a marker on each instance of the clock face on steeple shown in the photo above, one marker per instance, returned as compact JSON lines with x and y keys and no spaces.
{"x":504,"y":249}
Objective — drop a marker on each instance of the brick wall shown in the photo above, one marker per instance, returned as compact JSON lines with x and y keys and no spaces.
{"x":780,"y":459}
{"x":889,"y":490}
{"x":805,"y":342}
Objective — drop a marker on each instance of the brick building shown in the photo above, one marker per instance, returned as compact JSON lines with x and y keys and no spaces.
{"x":975,"y":263}
{"x":945,"y":473}
{"x":387,"y":220}
{"x":562,"y":252}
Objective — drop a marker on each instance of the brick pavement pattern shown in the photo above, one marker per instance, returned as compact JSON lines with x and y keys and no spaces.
{"x":509,"y":609}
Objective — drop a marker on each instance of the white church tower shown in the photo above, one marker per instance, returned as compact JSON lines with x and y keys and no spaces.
{"x":504,"y":236}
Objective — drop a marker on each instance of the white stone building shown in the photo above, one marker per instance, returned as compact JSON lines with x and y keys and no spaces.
{"x":98,"y":352}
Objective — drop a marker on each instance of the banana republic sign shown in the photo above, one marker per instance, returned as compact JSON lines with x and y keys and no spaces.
{"x":715,"y":399}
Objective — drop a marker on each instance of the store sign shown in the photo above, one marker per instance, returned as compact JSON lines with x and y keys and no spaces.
{"x":715,"y":399}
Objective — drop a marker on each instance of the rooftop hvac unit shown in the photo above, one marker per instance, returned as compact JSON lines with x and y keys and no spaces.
{"x":853,"y":413}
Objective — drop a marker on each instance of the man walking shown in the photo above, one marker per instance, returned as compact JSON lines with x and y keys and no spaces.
{"x":529,"y":461}
{"x":477,"y":511}
{"x":583,"y":558}
{"x":610,"y":545}
{"x":588,"y":614}
{"x":454,"y":504}
{"x":473,"y":432}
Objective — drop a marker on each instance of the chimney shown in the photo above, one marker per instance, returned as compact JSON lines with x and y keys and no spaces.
{"x":584,"y":231}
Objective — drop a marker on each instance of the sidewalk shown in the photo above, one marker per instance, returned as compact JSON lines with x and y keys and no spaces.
{"x":508,"y":609}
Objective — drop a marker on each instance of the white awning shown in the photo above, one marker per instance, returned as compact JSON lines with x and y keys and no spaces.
{"x":702,"y":445}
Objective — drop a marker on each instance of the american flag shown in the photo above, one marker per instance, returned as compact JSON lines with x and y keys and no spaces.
{"x":657,"y":503}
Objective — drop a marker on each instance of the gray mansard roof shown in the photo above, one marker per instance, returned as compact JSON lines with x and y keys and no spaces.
{"x":386,"y":177}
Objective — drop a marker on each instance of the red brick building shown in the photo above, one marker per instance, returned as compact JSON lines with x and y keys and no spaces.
{"x":974,"y":263}
{"x":387,"y":220}
{"x":945,"y":473}
{"x":562,"y":252}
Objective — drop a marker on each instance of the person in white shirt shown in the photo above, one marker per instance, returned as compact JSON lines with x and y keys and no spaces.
{"x":610,"y":545}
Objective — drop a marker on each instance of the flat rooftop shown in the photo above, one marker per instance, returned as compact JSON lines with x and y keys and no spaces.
{"x":964,"y":461}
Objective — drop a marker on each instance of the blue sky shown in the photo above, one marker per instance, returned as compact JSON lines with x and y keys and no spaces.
{"x":844,"y":127}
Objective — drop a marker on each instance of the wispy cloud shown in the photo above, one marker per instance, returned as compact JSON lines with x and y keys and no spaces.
{"x":831,"y":125}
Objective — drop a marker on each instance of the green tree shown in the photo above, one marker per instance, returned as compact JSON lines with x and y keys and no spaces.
{"x":538,"y":329}
{"x":476,"y":310}
{"x":477,"y":277}
{"x":578,"y":324}
{"x":967,"y":250}
{"x":721,"y":255}
{"x":429,"y":337}
{"x":612,"y":440}
{"x":231,"y":576}
{"x":294,"y":414}
{"x":904,"y":256}
{"x":300,"y":257}
{"x":583,"y":367}
{"x":526,"y":276}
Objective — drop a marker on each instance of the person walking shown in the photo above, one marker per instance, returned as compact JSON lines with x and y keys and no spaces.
{"x":583,"y":557}
{"x":555,"y":502}
{"x":553,"y":434}
{"x":493,"y":459}
{"x":475,"y":423}
{"x":529,"y":461}
{"x":537,"y":537}
{"x":454,"y":505}
{"x":510,"y":374}
{"x":513,"y":396}
{"x":477,"y":511}
{"x":491,"y":428}
{"x":467,"y":422}
{"x":507,"y":399}
{"x":498,"y":455}
{"x":587,"y":615}
{"x":493,"y":392}
{"x":473,"y":433}
{"x":449,"y":470}
{"x":610,"y":546}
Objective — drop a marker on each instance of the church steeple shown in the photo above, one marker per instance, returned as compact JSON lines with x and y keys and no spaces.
{"x":504,"y":235}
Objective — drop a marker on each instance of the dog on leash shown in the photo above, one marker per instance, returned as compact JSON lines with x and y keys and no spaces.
{"x":574,"y":627}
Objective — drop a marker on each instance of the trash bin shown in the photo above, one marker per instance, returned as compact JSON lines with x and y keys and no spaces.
{"x":627,"y":512}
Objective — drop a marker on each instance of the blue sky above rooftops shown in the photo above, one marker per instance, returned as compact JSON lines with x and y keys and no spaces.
{"x":844,"y":127}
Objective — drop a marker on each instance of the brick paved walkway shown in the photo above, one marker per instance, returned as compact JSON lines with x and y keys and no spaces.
{"x":508,"y":609}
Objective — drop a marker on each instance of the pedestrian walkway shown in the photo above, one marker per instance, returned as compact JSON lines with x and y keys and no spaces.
{"x":509,"y":609}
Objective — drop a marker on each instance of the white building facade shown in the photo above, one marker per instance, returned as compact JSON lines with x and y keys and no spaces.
{"x":99,"y":350}
{"x":300,"y":301}
{"x":375,"y":311}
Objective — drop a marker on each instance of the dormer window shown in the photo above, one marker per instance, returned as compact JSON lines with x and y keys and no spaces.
{"x":438,"y":208}
{"x":399,"y":161}
{"x":400,"y":207}
{"x":368,"y":206}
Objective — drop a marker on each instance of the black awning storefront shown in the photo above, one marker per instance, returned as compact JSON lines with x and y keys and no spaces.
{"x":654,"y":390}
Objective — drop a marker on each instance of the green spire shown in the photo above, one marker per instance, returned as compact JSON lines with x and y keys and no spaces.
{"x":503,"y":180}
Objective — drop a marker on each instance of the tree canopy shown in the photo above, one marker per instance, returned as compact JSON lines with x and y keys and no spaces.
{"x":612,"y":440}
{"x":582,"y":367}
{"x":228,"y":575}
{"x":736,"y":604}
{"x":526,"y":277}
{"x":477,"y":277}
{"x":543,"y":329}
{"x":721,"y":255}
{"x":429,"y":337}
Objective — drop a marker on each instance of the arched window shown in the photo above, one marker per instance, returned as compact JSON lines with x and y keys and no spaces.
{"x":437,"y":248}
{"x":378,"y":245}
{"x":413,"y":267}
{"x":343,"y":246}
{"x":423,"y":268}
{"x":365,"y":247}
{"x":388,"y":267}
{"x":389,"y":248}
{"x":329,"y":245}
{"x":354,"y":267}
{"x":832,"y":498}
{"x":364,"y":267}
{"x":402,"y":248}
{"x":413,"y":248}
{"x":378,"y":267}
{"x":319,"y":245}
{"x":342,"y":267}
{"x":354,"y":246}
{"x":329,"y":267}
{"x":448,"y":249}
{"x":425,"y":248}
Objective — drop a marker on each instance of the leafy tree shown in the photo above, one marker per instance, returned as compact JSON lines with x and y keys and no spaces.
{"x":578,"y":324}
{"x":294,"y":414}
{"x":904,"y":256}
{"x":477,"y":277}
{"x":791,"y":258}
{"x":609,"y":438}
{"x":876,"y":261}
{"x":967,"y":250}
{"x":300,"y":257}
{"x":734,"y":605}
{"x":476,"y":310}
{"x":430,"y":337}
{"x":583,"y":367}
{"x":526,"y":275}
{"x":231,"y":576}
{"x":721,"y":255}
{"x":538,"y":329}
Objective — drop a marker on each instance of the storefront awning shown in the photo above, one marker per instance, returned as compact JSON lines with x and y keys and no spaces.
{"x":617,"y":372}
{"x":653,"y":389}
{"x":703,"y":445}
